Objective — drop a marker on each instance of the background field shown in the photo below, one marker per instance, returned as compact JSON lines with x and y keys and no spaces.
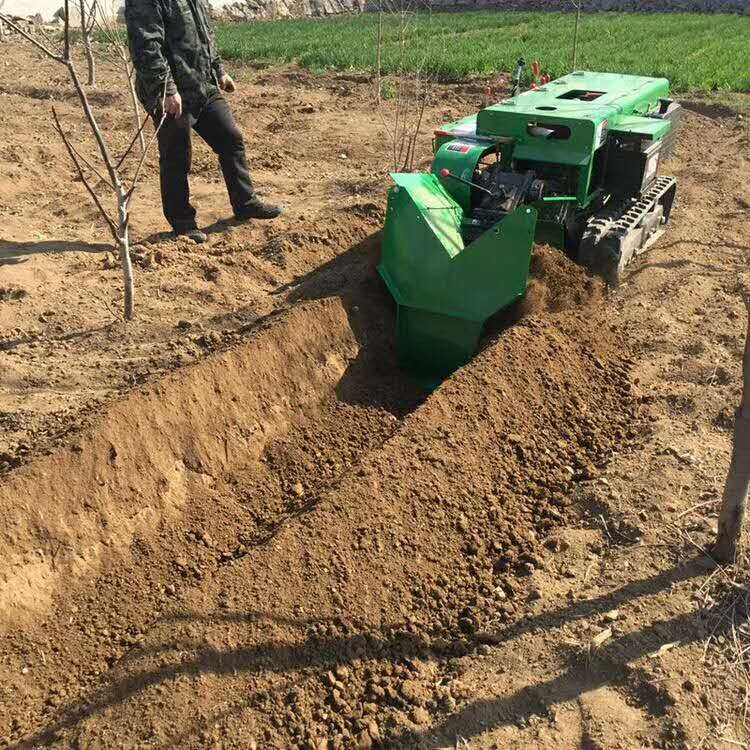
{"x":696,"y":51}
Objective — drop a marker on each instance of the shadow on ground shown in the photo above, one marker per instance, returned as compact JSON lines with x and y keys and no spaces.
{"x":15,"y":252}
{"x":610,"y":666}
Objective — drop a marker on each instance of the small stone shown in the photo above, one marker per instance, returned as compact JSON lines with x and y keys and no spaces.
{"x":25,"y":670}
{"x":298,"y":489}
{"x":373,"y":730}
{"x":612,"y":616}
{"x":527,"y":569}
{"x":420,"y":716}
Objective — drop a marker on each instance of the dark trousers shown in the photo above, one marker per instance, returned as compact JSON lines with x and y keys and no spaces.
{"x":218,"y":129}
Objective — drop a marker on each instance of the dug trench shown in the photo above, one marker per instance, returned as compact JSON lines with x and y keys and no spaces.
{"x":287,"y":543}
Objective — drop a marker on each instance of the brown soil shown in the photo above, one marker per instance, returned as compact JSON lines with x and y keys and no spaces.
{"x":235,"y":523}
{"x":556,"y":284}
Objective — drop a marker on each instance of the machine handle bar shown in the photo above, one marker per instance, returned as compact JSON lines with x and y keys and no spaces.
{"x":448,"y":173}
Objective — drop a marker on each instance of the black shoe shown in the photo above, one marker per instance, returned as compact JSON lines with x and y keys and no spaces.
{"x":192,"y":234}
{"x":258,"y":210}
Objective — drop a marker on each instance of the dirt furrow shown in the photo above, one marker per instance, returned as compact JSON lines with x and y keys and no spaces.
{"x":352,"y":609}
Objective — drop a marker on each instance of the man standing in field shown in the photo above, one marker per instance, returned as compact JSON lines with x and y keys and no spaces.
{"x":174,"y":54}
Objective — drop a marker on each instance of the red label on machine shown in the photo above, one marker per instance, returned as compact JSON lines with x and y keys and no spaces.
{"x":462,"y":148}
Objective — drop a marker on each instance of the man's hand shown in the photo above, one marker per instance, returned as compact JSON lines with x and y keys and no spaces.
{"x":226,"y":83}
{"x":173,"y":106}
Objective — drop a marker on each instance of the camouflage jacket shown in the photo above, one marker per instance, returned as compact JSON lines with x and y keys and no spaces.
{"x":172,"y":44}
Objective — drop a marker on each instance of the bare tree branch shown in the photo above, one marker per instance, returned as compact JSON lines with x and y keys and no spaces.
{"x":77,"y":165}
{"x":117,"y":53}
{"x":148,"y":146}
{"x":90,"y":166}
{"x":412,"y":83}
{"x":103,"y":150}
{"x":28,"y":37}
{"x":66,"y":32}
{"x":129,"y":149}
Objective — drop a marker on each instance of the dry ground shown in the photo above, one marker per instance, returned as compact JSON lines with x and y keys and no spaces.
{"x":234,"y":523}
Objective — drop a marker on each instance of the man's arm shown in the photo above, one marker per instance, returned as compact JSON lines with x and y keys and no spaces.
{"x":217,"y":65}
{"x":226,"y":82}
{"x":146,"y":40}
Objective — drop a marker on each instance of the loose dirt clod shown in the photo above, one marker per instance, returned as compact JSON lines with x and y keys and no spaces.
{"x":557,"y":284}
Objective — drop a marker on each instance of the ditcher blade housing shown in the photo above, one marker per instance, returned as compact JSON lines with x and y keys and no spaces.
{"x":446,"y":289}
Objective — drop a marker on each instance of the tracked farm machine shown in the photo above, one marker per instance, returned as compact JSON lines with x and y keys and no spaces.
{"x":573,"y":163}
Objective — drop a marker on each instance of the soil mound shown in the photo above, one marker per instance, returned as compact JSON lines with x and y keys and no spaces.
{"x":557,"y":283}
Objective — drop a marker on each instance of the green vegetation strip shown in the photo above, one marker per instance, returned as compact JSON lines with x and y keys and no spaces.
{"x":698,"y":52}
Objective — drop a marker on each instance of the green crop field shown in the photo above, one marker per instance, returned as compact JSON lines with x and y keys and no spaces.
{"x":696,"y":51}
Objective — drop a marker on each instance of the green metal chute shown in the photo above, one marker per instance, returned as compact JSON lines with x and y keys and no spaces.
{"x":446,"y":290}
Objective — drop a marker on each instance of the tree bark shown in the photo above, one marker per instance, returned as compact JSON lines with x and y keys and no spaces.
{"x":123,"y":231}
{"x":737,"y":487}
{"x":86,"y":28}
{"x":91,"y":62}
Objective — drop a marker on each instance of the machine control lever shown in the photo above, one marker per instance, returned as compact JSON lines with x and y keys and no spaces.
{"x":448,"y":173}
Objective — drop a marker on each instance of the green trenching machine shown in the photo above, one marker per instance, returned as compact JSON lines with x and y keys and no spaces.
{"x":573,"y":163}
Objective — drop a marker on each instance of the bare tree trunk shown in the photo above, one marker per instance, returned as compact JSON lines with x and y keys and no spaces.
{"x":123,"y":236}
{"x":120,"y":226}
{"x":87,"y":18}
{"x":737,"y":487}
{"x":578,"y":4}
